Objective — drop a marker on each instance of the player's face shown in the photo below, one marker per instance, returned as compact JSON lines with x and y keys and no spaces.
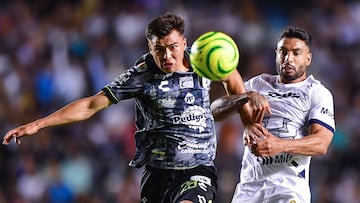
{"x":168,"y":52}
{"x":292,"y":59}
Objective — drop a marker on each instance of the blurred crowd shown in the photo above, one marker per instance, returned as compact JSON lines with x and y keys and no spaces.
{"x":53,"y":52}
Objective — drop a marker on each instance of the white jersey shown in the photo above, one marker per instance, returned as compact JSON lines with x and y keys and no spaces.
{"x":294,"y":107}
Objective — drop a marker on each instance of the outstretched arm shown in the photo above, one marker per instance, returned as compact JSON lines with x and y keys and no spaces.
{"x":78,"y":110}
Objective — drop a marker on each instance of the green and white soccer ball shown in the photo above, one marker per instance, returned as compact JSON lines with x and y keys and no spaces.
{"x":214,"y":55}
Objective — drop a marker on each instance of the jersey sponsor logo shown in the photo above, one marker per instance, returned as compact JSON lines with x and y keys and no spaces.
{"x":187,"y":147}
{"x":278,"y":159}
{"x":167,"y":102}
{"x":327,"y":112}
{"x":189,"y":98}
{"x":194,"y":117}
{"x":186,"y":82}
{"x":285,"y":95}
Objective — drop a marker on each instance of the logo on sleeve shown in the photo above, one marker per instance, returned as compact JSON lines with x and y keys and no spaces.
{"x":326,"y":112}
{"x":141,"y":67}
{"x":125,"y":76}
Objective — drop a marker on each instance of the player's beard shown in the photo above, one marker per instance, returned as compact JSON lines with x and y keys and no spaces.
{"x":288,"y":78}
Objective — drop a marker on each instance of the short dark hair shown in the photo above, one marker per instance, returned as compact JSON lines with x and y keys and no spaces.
{"x":163,"y":25}
{"x":296,"y":32}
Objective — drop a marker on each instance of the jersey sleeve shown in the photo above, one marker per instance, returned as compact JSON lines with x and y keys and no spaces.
{"x":322,"y":108}
{"x":127,"y":85}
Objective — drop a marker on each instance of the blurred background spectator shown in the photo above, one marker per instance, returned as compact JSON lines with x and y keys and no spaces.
{"x":52,"y":52}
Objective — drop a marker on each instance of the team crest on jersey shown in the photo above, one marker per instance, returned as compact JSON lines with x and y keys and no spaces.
{"x":189,"y":98}
{"x":141,"y":67}
{"x":194,"y":117}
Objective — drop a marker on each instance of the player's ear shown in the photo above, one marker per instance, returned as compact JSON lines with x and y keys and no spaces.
{"x":151,"y":48}
{"x":185,"y":42}
{"x":308,"y":58}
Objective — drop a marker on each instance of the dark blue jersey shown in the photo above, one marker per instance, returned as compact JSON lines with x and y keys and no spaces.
{"x":175,"y":127}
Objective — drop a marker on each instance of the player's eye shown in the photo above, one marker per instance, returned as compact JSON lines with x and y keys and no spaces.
{"x":159,"y":49}
{"x":283,"y":52}
{"x":297,"y":53}
{"x":173,"y":46}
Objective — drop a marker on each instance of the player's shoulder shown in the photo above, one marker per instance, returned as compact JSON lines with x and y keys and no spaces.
{"x":316,"y":86}
{"x":145,"y":63}
{"x":313,"y":83}
{"x":264,"y":77}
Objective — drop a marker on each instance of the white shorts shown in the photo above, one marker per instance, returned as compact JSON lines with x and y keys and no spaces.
{"x":273,"y":190}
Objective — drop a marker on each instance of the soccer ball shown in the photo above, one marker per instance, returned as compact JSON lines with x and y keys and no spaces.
{"x":214,"y":55}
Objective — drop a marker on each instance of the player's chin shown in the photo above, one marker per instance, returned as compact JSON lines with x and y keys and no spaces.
{"x":168,"y":68}
{"x":288,"y":77}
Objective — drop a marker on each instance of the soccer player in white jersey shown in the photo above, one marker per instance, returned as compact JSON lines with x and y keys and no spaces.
{"x":275,"y":166}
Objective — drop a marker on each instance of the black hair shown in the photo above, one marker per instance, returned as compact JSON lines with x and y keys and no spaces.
{"x":163,"y":25}
{"x":296,"y":32}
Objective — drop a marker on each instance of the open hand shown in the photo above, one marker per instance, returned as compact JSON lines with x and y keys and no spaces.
{"x":17,"y":133}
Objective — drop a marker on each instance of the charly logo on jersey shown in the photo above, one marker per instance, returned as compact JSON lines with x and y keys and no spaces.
{"x":194,"y":117}
{"x":164,"y":86}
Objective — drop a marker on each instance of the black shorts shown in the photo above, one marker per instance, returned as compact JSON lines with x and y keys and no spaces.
{"x":171,"y":186}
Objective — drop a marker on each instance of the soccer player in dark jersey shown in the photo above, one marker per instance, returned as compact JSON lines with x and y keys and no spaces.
{"x":175,"y":137}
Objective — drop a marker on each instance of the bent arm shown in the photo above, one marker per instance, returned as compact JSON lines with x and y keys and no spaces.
{"x":228,"y":105}
{"x":316,"y":143}
{"x":234,"y":85}
{"x":78,"y":110}
{"x":237,"y":102}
